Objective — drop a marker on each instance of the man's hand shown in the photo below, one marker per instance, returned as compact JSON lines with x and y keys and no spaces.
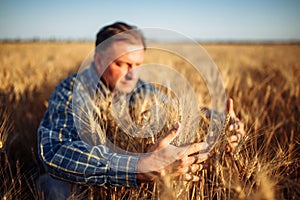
{"x":169,"y":159}
{"x":236,"y":127}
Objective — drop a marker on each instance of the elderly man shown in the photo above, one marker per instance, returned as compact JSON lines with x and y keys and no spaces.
{"x":119,"y":51}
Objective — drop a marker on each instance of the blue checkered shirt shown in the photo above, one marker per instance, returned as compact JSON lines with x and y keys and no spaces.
{"x":66,"y":156}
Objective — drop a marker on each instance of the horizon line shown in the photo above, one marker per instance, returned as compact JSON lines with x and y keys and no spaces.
{"x":254,"y":41}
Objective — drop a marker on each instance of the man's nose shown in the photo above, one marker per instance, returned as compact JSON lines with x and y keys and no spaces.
{"x":131,"y":73}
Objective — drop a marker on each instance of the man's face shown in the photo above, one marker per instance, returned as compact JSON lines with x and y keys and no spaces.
{"x":121,"y":60}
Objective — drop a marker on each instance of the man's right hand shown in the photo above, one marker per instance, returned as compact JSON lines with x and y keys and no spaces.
{"x":165,"y":158}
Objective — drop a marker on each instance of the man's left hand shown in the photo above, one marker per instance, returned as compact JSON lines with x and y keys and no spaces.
{"x":235,"y":127}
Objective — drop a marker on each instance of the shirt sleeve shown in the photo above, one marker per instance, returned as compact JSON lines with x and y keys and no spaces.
{"x":67,"y":157}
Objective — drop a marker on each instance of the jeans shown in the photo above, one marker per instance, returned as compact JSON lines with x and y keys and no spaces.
{"x":51,"y":188}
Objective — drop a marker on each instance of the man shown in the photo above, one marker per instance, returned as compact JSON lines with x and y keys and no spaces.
{"x":119,"y":52}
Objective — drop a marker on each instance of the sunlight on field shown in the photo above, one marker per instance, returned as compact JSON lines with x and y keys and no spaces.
{"x":263,"y":80}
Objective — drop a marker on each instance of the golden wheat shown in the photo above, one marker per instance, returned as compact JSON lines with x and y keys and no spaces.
{"x":263,"y":80}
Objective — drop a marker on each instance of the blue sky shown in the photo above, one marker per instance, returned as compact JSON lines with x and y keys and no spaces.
{"x":197,"y":19}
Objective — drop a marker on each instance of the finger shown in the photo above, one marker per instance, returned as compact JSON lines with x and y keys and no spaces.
{"x":195,"y":148}
{"x":237,"y":137}
{"x":241,"y":128}
{"x":196,"y":167}
{"x":201,"y":157}
{"x":192,"y":159}
{"x":234,"y":138}
{"x":198,"y":158}
{"x":230,"y":127}
{"x":165,"y":140}
{"x":236,"y":125}
{"x":193,"y":162}
{"x":191,"y":178}
{"x":230,"y":109}
{"x":234,"y":145}
{"x":187,"y":161}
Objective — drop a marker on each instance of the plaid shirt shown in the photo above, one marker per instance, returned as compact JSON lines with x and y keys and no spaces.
{"x":66,"y":156}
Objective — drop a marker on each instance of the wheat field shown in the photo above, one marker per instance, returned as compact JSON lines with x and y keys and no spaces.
{"x":262,"y":79}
